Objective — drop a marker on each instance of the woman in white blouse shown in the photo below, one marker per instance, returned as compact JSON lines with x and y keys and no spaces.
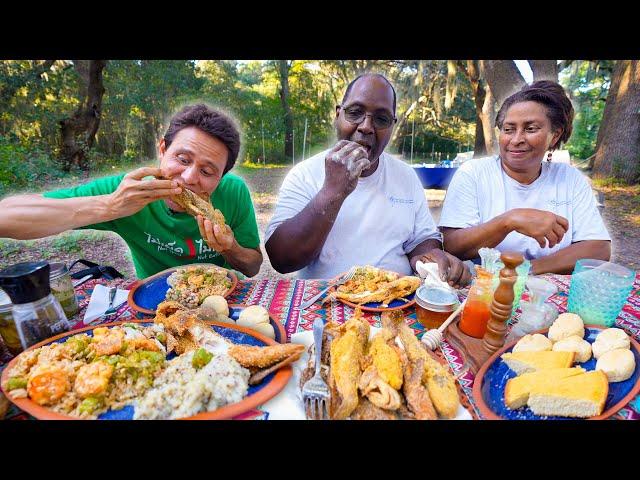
{"x":517,"y":201}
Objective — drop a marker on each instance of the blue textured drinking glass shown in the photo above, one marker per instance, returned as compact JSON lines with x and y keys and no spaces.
{"x":599,"y":290}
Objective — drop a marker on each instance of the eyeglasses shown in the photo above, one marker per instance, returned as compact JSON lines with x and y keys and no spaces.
{"x":356,"y":115}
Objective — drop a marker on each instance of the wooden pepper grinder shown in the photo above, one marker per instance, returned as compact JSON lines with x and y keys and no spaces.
{"x":502,"y":303}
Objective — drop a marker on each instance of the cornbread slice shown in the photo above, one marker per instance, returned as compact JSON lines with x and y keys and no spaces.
{"x":524,"y":362}
{"x":579,"y":396}
{"x":517,"y":390}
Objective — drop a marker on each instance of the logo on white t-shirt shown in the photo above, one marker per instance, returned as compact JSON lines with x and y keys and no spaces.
{"x":396,"y":200}
{"x":558,"y":203}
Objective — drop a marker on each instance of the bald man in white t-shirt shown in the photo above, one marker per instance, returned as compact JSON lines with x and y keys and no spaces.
{"x":355,"y":205}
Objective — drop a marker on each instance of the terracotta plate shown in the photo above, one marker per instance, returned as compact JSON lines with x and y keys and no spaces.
{"x":490,"y":382}
{"x":256,"y":396}
{"x":145,"y":295}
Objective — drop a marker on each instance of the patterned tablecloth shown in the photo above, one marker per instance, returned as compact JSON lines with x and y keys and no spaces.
{"x":283,"y":297}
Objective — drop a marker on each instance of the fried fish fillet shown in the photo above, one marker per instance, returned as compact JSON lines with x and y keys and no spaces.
{"x":385,"y":358}
{"x":368,"y":411}
{"x":438,"y":379}
{"x":379,"y":392}
{"x":385,"y":292}
{"x":195,"y":205}
{"x":416,"y":394}
{"x":188,"y":333}
{"x":347,"y":351}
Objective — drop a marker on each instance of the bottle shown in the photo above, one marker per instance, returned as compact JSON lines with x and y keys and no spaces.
{"x":62,"y":288}
{"x":476,"y":312}
{"x":37,"y":314}
{"x":8,"y":330}
{"x":536,"y":314}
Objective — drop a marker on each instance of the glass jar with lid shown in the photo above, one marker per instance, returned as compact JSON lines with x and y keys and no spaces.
{"x":62,"y":288}
{"x":8,"y":329}
{"x":37,"y":314}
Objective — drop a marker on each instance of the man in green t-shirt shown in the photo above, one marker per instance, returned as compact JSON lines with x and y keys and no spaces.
{"x":197,"y":151}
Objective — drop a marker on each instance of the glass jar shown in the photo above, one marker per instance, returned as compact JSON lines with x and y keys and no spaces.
{"x":62,"y":288}
{"x":39,"y":320}
{"x":476,"y":313}
{"x":434,"y":305}
{"x":8,"y":329}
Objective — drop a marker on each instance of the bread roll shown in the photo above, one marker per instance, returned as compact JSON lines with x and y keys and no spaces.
{"x":566,"y":325}
{"x":576,"y":344}
{"x":266,"y":329}
{"x":533,"y":343}
{"x":617,"y":364}
{"x":610,"y":339}
{"x":218,"y":303}
{"x":253,"y":315}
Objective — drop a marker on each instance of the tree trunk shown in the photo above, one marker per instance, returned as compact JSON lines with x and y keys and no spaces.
{"x":484,"y":136}
{"x":503,"y":78}
{"x":78,"y":131}
{"x":283,"y":70}
{"x":150,"y":139}
{"x":488,"y":122}
{"x":544,"y":70}
{"x":618,"y":144}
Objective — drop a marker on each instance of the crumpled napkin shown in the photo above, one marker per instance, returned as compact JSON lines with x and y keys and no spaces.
{"x":100,"y":301}
{"x":287,"y":405}
{"x":431,"y":275}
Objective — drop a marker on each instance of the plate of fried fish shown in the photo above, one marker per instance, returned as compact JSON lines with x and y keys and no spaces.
{"x":174,"y":367}
{"x":376,"y":290}
{"x":382,"y":374}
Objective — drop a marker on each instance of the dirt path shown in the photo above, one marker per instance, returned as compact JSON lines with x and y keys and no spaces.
{"x":621,"y":214}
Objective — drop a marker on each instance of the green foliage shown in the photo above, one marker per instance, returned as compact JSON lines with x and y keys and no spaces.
{"x":22,"y":168}
{"x":588,"y":85}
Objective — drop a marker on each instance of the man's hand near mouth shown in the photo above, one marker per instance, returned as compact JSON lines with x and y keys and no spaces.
{"x":343,"y":165}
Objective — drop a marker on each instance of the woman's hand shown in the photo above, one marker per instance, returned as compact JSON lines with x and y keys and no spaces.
{"x":540,"y":225}
{"x":451,"y":268}
{"x":134,"y":193}
{"x":219,"y":239}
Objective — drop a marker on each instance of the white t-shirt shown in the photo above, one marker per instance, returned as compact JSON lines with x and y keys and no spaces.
{"x":379,"y":223}
{"x":480,"y":190}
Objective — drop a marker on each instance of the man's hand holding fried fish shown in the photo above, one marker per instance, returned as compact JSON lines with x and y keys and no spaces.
{"x":219,"y":237}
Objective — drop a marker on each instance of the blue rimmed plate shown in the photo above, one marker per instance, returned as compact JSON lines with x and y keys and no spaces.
{"x":258,"y":394}
{"x":491,"y":380}
{"x":145,"y":295}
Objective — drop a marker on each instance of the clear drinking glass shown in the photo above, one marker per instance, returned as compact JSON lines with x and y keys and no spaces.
{"x":599,"y":290}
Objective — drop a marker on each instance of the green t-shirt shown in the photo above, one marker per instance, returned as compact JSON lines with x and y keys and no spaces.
{"x":160,"y":239}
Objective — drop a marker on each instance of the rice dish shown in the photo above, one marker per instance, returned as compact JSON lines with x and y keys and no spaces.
{"x":191,"y":285}
{"x":88,"y":375}
{"x":182,"y":390}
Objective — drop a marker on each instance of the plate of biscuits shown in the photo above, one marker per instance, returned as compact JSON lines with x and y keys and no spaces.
{"x":568,"y":371}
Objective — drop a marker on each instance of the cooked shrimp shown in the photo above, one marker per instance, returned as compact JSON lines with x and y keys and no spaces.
{"x":108,"y":343}
{"x":142,"y":343}
{"x":48,"y":387}
{"x":93,"y":379}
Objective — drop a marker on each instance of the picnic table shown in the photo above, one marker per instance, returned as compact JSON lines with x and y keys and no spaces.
{"x":283,"y":297}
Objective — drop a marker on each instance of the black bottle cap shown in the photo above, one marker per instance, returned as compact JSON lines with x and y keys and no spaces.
{"x":26,"y":282}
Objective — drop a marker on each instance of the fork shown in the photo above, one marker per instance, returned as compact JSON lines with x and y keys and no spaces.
{"x":111,"y":309}
{"x":315,"y":392}
{"x":348,"y":276}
